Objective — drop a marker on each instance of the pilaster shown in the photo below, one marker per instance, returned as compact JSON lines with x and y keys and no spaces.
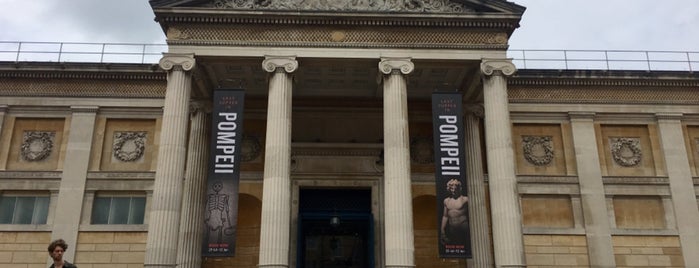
{"x":679,"y":172}
{"x":506,"y":214}
{"x":398,"y":213}
{"x":164,"y":220}
{"x":480,"y":237}
{"x":72,"y":189}
{"x":193,"y":204}
{"x":276,"y":190}
{"x":3,"y":111}
{"x":597,"y":227}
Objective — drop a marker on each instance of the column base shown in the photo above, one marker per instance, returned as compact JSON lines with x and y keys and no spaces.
{"x":511,"y":266}
{"x":159,"y":265}
{"x":273,"y":266}
{"x":399,"y":266}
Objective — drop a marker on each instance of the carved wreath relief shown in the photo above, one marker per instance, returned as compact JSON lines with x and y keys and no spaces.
{"x":538,"y":150}
{"x":626,"y":151}
{"x":129,"y":145}
{"x":250,"y":148}
{"x":37,"y":145}
{"x":422,"y":150}
{"x":346,"y":5}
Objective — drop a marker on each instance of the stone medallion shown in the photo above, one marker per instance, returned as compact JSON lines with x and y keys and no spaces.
{"x":626,"y":151}
{"x":538,"y":150}
{"x":37,"y":145}
{"x":250,"y":148}
{"x":421,"y":150}
{"x":129,"y":145}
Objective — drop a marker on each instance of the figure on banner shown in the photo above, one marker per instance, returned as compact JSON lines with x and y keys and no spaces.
{"x":217,"y":215}
{"x":454,"y":227}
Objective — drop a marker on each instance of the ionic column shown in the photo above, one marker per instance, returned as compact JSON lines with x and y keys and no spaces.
{"x":164,"y":217}
{"x":480,"y":238}
{"x":276,"y":189}
{"x":397,"y":193}
{"x":597,"y":228}
{"x":72,"y":189}
{"x":193,"y":204}
{"x":681,"y":185}
{"x":504,"y":199}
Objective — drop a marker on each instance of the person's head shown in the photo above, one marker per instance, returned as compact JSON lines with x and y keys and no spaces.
{"x":454,"y":187}
{"x":57,"y":248}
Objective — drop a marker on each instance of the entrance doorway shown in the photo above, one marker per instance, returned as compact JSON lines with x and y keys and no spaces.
{"x":335,"y":229}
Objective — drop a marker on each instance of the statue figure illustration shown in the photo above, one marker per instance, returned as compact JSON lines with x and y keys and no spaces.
{"x":217,"y":215}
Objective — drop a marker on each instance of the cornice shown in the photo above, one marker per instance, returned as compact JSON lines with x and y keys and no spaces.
{"x":543,"y":81}
{"x":88,"y":76}
{"x":340,"y":19}
{"x":335,"y":45}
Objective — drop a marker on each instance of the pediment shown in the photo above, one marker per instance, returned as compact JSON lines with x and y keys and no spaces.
{"x":349,"y":6}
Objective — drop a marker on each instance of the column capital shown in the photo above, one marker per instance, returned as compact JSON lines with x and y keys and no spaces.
{"x":581,"y":116}
{"x":170,"y":60}
{"x":476,"y":109}
{"x":196,"y":106}
{"x":497,"y":67}
{"x":404,"y":65}
{"x":84,"y":109}
{"x":272,"y":63}
{"x":669,"y":116}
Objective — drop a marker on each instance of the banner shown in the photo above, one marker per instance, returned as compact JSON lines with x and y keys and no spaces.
{"x":450,"y":175}
{"x":221,"y":212}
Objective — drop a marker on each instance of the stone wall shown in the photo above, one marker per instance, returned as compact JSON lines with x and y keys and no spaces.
{"x":555,"y":251}
{"x":110,"y":249}
{"x":24,"y":249}
{"x":644,"y":251}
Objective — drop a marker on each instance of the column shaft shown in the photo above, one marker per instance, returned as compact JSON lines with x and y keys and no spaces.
{"x":193,"y":202}
{"x":72,"y":189}
{"x":480,"y":238}
{"x":681,"y":185}
{"x":504,"y":198}
{"x":276,"y":192}
{"x":597,"y":228}
{"x":398,"y":215}
{"x":164,"y":221}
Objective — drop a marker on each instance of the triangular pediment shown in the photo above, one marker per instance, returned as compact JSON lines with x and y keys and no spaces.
{"x":362,"y":6}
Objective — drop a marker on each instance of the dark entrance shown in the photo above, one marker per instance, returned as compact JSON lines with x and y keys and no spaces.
{"x":335,"y":229}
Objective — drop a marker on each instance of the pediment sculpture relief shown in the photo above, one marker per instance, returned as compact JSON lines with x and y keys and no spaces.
{"x":415,"y":6}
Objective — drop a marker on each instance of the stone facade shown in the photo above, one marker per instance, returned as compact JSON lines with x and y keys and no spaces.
{"x":569,"y":168}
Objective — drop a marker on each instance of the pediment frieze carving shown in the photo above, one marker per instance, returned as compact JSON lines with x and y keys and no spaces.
{"x":407,"y":6}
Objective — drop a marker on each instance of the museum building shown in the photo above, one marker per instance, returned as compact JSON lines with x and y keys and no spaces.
{"x":564,"y":168}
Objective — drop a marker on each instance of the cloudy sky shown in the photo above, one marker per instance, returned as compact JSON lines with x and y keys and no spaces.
{"x":551,"y":24}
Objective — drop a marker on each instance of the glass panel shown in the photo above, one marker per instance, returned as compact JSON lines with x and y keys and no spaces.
{"x":7,"y":209}
{"x":100,"y":210}
{"x":41,"y":210}
{"x":119,"y":210}
{"x":138,"y":210}
{"x":24,"y":210}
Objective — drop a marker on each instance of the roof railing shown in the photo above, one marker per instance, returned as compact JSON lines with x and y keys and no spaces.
{"x":14,"y":51}
{"x":81,"y":52}
{"x":604,"y":60}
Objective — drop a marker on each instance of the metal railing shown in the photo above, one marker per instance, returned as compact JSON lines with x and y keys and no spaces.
{"x":604,"y":60}
{"x":81,"y":52}
{"x":523,"y":58}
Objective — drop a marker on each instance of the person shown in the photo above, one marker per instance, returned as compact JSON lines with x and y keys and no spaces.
{"x":56,"y":250}
{"x":454,"y":227}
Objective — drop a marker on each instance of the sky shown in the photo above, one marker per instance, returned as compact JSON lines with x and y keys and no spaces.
{"x":668,"y":25}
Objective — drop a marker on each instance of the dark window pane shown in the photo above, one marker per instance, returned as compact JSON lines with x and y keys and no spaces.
{"x":24,"y":210}
{"x":41,"y":210}
{"x":7,"y":209}
{"x":138,"y":210}
{"x":100,"y":210}
{"x":120,"y":210}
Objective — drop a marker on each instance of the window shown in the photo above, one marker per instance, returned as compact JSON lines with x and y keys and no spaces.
{"x":118,"y":210}
{"x":22,"y":209}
